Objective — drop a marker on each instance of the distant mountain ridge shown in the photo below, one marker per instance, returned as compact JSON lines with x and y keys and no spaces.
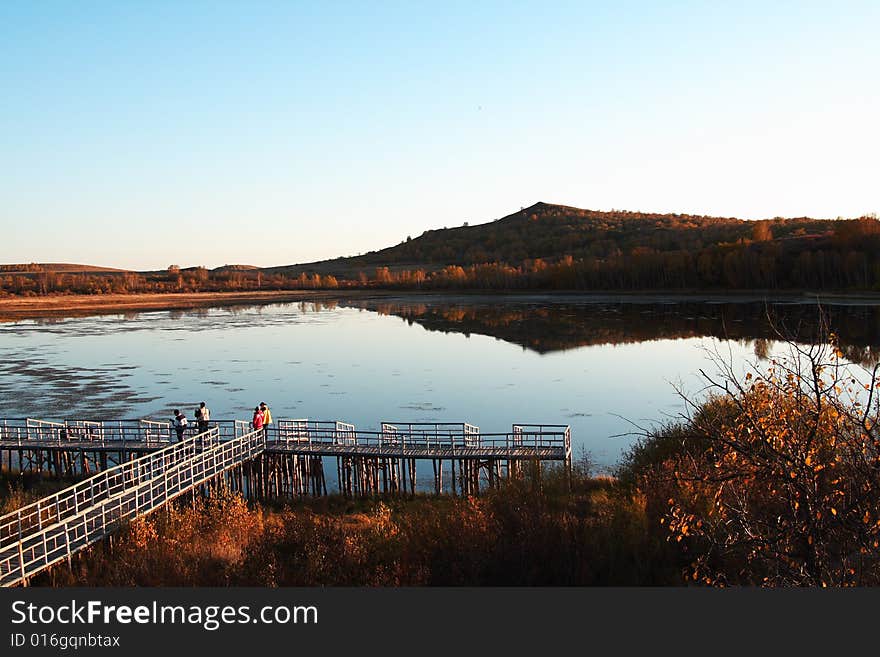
{"x":541,"y":247}
{"x":549,"y":231}
{"x":55,"y":268}
{"x":543,"y":230}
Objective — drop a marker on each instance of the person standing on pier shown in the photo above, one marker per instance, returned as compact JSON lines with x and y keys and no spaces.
{"x":267,"y":418}
{"x":179,"y":424}
{"x":203,"y":415}
{"x":267,"y":414}
{"x":257,"y":422}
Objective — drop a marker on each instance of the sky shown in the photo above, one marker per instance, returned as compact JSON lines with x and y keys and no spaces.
{"x":142,"y":134}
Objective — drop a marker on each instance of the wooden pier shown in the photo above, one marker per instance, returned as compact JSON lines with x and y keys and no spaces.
{"x":130,"y":468}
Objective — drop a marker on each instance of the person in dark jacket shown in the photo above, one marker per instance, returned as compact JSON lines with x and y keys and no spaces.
{"x":179,"y":424}
{"x":203,"y":415}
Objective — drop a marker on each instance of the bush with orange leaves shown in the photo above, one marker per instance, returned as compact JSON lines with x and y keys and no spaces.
{"x":775,"y":480}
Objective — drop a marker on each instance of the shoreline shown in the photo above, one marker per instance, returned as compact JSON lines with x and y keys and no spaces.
{"x":19,"y":308}
{"x":15,"y":308}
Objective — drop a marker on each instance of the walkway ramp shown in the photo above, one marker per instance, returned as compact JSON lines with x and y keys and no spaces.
{"x":36,"y":536}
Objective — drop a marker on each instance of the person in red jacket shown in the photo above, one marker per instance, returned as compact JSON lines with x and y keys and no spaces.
{"x":257,"y":422}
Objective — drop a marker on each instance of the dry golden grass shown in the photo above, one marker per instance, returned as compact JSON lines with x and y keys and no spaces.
{"x":15,"y":308}
{"x":18,"y":490}
{"x":522,"y":535}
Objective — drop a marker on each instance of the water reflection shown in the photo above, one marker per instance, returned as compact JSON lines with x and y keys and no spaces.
{"x":557,"y":326}
{"x":597,"y":365}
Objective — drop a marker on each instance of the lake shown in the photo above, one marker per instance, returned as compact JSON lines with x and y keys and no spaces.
{"x":603,"y":365}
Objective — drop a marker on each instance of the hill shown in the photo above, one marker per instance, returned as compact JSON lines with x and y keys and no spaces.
{"x":56,"y":268}
{"x":549,"y":232}
{"x":542,"y":247}
{"x":228,"y":268}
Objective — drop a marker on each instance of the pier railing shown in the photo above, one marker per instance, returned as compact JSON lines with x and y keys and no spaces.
{"x":521,"y":430}
{"x":84,"y":430}
{"x":55,"y":430}
{"x":88,"y":492}
{"x":148,"y":432}
{"x":294,"y":433}
{"x":468,"y":432}
{"x":44,"y":532}
{"x":393,"y":440}
{"x":149,"y":482}
{"x":301,"y":430}
{"x":155,"y":430}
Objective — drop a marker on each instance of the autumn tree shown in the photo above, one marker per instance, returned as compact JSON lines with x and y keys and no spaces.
{"x":383,"y":276}
{"x":775,"y":479}
{"x":762,"y":232}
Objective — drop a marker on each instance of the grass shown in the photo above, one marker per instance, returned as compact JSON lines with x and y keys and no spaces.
{"x":20,"y":489}
{"x":530,"y":532}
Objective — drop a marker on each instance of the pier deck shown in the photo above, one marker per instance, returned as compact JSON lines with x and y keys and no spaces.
{"x":132,"y":467}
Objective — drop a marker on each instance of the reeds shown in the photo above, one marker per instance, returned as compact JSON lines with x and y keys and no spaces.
{"x":530,"y":532}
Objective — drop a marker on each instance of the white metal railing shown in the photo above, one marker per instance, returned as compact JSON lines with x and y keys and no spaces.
{"x":42,"y":533}
{"x":389,"y":433}
{"x":468,"y":432}
{"x":522,"y":429}
{"x":84,"y":430}
{"x":302,"y":430}
{"x":471,"y":433}
{"x":111,"y":433}
{"x":69,"y":501}
{"x":345,"y":433}
{"x":155,"y":430}
{"x":553,"y":443}
{"x":517,"y":434}
{"x":155,"y":480}
{"x":44,"y":427}
{"x":289,"y":431}
{"x":241,"y":428}
{"x":292,"y":430}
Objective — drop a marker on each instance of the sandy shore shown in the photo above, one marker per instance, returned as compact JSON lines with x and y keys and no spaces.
{"x":16,"y":308}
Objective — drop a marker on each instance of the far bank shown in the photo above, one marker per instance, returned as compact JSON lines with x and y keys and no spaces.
{"x":14,"y":308}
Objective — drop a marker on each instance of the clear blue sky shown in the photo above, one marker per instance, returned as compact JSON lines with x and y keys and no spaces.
{"x":140,"y":134}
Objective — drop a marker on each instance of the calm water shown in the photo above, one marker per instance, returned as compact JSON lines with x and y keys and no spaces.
{"x":598,"y":366}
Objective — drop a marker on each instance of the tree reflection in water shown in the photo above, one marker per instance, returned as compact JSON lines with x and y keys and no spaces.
{"x":548,"y":326}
